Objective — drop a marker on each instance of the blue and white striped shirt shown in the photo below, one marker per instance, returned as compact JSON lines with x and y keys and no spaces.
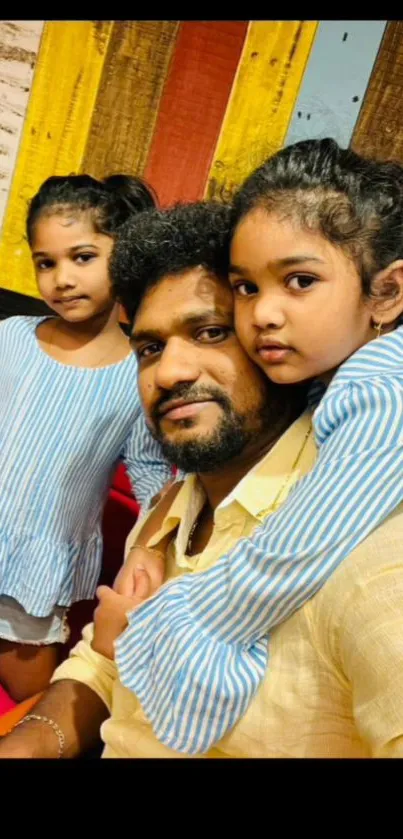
{"x":63,"y":430}
{"x":196,"y":652}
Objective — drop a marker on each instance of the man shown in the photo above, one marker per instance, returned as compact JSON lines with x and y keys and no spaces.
{"x":335,"y":685}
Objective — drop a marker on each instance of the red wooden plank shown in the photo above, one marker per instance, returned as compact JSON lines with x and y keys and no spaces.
{"x":192,"y":107}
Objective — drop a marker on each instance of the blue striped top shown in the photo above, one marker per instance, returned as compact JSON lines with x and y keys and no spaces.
{"x":63,"y":430}
{"x":197,"y":651}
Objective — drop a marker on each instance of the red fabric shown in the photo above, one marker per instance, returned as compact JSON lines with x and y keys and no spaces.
{"x":6,"y":703}
{"x":120,"y":513}
{"x":122,"y":483}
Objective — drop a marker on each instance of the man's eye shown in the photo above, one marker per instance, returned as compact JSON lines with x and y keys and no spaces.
{"x":244,"y":289}
{"x":300,"y":282}
{"x":213,"y":334}
{"x":148,"y":351}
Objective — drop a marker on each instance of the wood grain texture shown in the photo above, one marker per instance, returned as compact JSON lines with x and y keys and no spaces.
{"x":64,"y":90}
{"x":379,"y":130}
{"x":19,"y":46}
{"x":269,"y":75}
{"x":192,"y":107}
{"x":126,"y":108}
{"x":335,"y":80}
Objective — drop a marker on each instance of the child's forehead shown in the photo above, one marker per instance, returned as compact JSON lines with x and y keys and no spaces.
{"x":275,"y":238}
{"x":64,"y":225}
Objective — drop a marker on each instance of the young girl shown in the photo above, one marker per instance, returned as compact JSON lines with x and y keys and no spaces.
{"x":317,"y":272}
{"x":69,"y":412}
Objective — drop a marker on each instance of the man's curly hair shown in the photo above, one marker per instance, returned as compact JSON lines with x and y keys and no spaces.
{"x":156,"y":243}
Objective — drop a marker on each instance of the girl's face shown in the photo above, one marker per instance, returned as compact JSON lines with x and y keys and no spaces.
{"x":299,"y":306}
{"x":71,"y":266}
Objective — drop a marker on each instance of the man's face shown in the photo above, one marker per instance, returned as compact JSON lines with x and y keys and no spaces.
{"x":205,"y":401}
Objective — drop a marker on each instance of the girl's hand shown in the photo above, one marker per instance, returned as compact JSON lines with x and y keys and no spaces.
{"x":141,"y":563}
{"x":110,"y":616}
{"x":150,"y":561}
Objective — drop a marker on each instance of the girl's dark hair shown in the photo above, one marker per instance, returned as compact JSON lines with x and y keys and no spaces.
{"x":356,"y":203}
{"x":110,"y":202}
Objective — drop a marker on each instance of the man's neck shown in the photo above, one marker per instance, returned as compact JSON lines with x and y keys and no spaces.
{"x":218,"y":484}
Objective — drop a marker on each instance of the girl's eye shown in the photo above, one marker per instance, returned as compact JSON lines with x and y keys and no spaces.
{"x":44,"y":265}
{"x":84,"y":257}
{"x":244,"y":288}
{"x":148,"y":351}
{"x":213,"y":334}
{"x":300,"y":282}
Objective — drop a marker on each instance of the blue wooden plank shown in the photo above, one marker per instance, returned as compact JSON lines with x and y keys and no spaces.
{"x":335,"y":80}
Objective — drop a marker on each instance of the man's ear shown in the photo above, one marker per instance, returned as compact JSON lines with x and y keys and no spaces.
{"x":387,"y":294}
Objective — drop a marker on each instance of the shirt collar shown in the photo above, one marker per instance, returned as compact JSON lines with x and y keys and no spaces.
{"x":258,"y":493}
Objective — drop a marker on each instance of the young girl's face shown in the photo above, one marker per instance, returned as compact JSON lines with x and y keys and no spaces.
{"x":71,"y":266}
{"x":299,"y":306}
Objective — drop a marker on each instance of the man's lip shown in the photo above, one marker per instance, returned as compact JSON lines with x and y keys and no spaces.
{"x":179,"y":403}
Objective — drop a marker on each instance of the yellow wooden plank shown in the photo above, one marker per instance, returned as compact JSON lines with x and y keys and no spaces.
{"x":64,"y":91}
{"x":265,"y":89}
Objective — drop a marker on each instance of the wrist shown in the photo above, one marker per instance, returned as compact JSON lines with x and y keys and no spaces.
{"x":32,"y":738}
{"x":152,"y":550}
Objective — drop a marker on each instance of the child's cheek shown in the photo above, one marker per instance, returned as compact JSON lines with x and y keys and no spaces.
{"x":244,"y":331}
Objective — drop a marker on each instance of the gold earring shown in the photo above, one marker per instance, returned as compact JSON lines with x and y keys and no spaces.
{"x":378,"y":328}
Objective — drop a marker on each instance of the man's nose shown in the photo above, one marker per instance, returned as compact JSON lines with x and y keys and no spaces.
{"x":178,"y":363}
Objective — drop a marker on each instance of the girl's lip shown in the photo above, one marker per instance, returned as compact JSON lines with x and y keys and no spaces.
{"x":65,"y":300}
{"x":273,"y":354}
{"x":263,"y":343}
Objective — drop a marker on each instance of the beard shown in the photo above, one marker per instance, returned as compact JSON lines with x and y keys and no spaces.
{"x":229,"y":438}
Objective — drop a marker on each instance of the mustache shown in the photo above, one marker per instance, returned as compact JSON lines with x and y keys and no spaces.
{"x":190,"y":393}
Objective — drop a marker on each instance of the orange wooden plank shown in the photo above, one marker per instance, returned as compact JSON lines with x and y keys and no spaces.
{"x":192,"y":107}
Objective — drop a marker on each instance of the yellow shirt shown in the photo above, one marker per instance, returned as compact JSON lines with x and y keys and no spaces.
{"x":334,"y":687}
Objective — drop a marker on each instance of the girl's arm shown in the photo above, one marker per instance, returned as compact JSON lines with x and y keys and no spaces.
{"x":151,"y":560}
{"x":146,"y":466}
{"x":151,"y":476}
{"x":196,"y":652}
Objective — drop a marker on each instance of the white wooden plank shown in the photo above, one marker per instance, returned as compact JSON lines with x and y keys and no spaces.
{"x":19,"y":46}
{"x":335,"y":80}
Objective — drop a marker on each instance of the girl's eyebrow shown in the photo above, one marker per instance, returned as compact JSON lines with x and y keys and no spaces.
{"x":292,"y":260}
{"x":295,"y":259}
{"x":84,"y":245}
{"x":233,"y":269}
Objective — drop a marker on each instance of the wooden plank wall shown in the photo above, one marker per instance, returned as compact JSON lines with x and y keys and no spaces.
{"x":193,"y":106}
{"x":379,"y":129}
{"x":19,"y":46}
{"x":63,"y":95}
{"x":267,"y":83}
{"x":335,"y":80}
{"x":128,"y":97}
